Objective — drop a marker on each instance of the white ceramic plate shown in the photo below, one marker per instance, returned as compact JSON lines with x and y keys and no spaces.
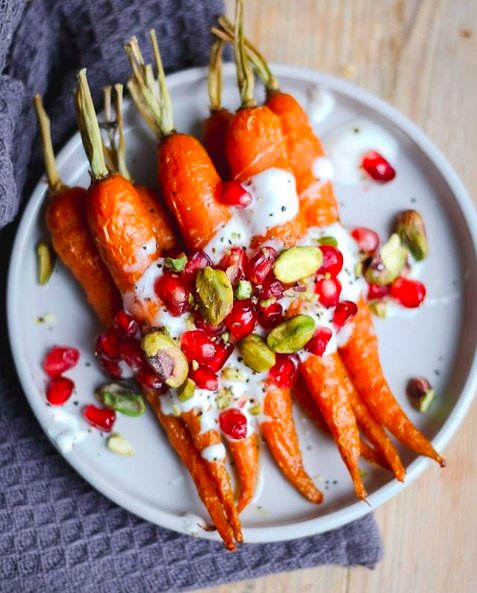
{"x":439,"y":341}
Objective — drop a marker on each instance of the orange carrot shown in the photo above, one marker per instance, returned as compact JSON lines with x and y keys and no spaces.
{"x":245,"y":453}
{"x":325,"y":383}
{"x":162,"y":223}
{"x":70,"y":235}
{"x":361,"y":357}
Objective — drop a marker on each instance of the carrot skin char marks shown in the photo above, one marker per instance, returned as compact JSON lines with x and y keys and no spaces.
{"x":245,"y":453}
{"x":323,"y":379}
{"x":161,"y":218}
{"x":280,"y":435}
{"x":189,"y":184}
{"x":214,"y":130}
{"x":361,"y":357}
{"x":73,"y":242}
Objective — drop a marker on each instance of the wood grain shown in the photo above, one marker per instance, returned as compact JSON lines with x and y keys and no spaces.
{"x":421,"y":56}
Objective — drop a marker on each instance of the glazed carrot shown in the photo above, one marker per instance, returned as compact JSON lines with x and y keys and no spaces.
{"x":361,"y":357}
{"x":70,"y":235}
{"x":325,"y":383}
{"x":217,"y":468}
{"x":215,"y":126}
{"x":245,"y":453}
{"x":181,"y":441}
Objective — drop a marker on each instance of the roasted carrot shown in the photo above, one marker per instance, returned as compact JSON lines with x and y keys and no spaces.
{"x":70,"y":235}
{"x":245,"y":454}
{"x":215,"y":126}
{"x":325,"y":383}
{"x":361,"y":357}
{"x":182,"y":442}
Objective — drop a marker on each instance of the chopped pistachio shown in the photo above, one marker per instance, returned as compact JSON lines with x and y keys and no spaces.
{"x":378,"y":308}
{"x":387,"y":263}
{"x":411,"y":229}
{"x":224,"y":398}
{"x":297,"y":263}
{"x":186,"y":390}
{"x":255,"y":410}
{"x":421,"y":393}
{"x":190,"y":324}
{"x":243,"y":290}
{"x":176,"y":264}
{"x":256,"y":354}
{"x":46,"y":262}
{"x":166,"y":358}
{"x":121,"y":398}
{"x":194,"y":365}
{"x":328,"y":241}
{"x":215,"y":294}
{"x":291,"y":335}
{"x":176,"y":410}
{"x":267,"y":302}
{"x":233,"y":374}
{"x":358,"y":270}
{"x":118,"y":444}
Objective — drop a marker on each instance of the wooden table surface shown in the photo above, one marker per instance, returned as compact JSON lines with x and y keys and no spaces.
{"x":420,"y":56}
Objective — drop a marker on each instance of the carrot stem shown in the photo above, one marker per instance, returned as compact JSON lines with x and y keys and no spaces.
{"x":244,"y":72}
{"x":166,"y":105}
{"x":214,"y":80}
{"x":54,"y":181}
{"x":116,"y":151}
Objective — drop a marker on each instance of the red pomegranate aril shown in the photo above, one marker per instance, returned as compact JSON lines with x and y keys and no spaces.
{"x":285,"y":371}
{"x":198,"y":346}
{"x":132,"y":354}
{"x":242,"y":319}
{"x":148,"y":379}
{"x":318,"y":343}
{"x":224,"y":350}
{"x":377,"y":167}
{"x":328,"y":291}
{"x":59,"y":360}
{"x":332,"y":261}
{"x":410,"y":293}
{"x":197,"y":261}
{"x":367,"y":240}
{"x":261,"y":264}
{"x":344,"y":312}
{"x":376,"y":291}
{"x":126,"y":325}
{"x":213,"y":330}
{"x":271,"y":288}
{"x":234,"y":263}
{"x":204,"y":378}
{"x":101,"y":418}
{"x":270,"y":316}
{"x":112,"y":368}
{"x":59,"y":390}
{"x":174,"y":292}
{"x":233,"y":194}
{"x":108,"y":345}
{"x":233,"y":424}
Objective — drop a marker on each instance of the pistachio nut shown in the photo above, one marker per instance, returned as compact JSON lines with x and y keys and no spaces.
{"x":166,"y":358}
{"x":410,"y":227}
{"x":291,"y":335}
{"x":420,"y":392}
{"x":215,"y":293}
{"x":186,"y":390}
{"x":233,"y":374}
{"x":176,"y":264}
{"x":118,"y":444}
{"x":328,"y":241}
{"x":387,"y":263}
{"x":243,"y":290}
{"x":297,"y":263}
{"x":224,"y":398}
{"x":255,"y":410}
{"x":378,"y":308}
{"x":46,"y":263}
{"x":256,"y":354}
{"x":121,"y":398}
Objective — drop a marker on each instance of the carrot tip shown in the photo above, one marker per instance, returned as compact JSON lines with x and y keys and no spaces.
{"x":442,"y":462}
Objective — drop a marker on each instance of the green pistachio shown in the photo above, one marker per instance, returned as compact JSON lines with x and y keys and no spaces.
{"x":265,"y":304}
{"x":256,"y":354}
{"x":176,"y":410}
{"x":328,"y":241}
{"x":233,"y":374}
{"x":243,"y":290}
{"x":378,"y":308}
{"x":215,"y":294}
{"x":410,"y":227}
{"x":166,"y":358}
{"x":420,"y":392}
{"x":387,"y":263}
{"x":118,"y":444}
{"x":122,"y":399}
{"x":176,"y":264}
{"x":291,"y":335}
{"x":224,"y":398}
{"x":297,"y":263}
{"x":46,"y":262}
{"x":186,"y":390}
{"x":255,"y":410}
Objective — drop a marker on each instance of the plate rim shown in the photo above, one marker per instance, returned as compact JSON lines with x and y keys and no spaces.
{"x":308,"y":527}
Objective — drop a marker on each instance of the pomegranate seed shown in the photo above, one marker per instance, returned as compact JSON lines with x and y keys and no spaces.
{"x":126,"y":325}
{"x":410,"y":293}
{"x":344,"y":312}
{"x":242,"y":319}
{"x":332,"y":261}
{"x":224,"y":350}
{"x":108,"y":345}
{"x":375,"y":291}
{"x":377,"y":167}
{"x":234,"y":263}
{"x":318,"y":343}
{"x":59,"y":360}
{"x":132,"y":354}
{"x":204,"y":378}
{"x":270,"y":316}
{"x":261,"y":264}
{"x":285,"y":371}
{"x":367,"y":240}
{"x":233,"y":424}
{"x":148,"y":379}
{"x":271,"y":288}
{"x":197,"y":261}
{"x":233,"y":194}
{"x":59,"y":390}
{"x":199,"y":346}
{"x":113,"y":369}
{"x":175,"y":294}
{"x":328,"y":291}
{"x":213,"y":330}
{"x":101,"y":418}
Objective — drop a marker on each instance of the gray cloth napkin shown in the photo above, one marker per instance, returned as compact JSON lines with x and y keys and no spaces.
{"x":56,"y":532}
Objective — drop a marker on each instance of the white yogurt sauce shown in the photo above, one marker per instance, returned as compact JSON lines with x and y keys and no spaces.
{"x":193,"y":523}
{"x":69,"y":434}
{"x":347,"y":144}
{"x":320,"y":104}
{"x":214,"y":453}
{"x":322,"y":169}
